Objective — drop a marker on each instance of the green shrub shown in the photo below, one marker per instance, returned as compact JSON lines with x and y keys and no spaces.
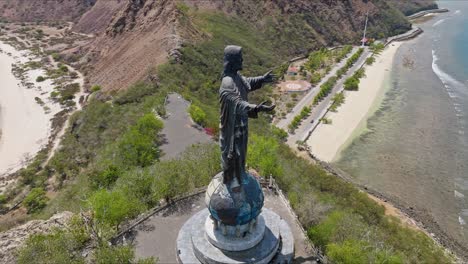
{"x":263,"y":155}
{"x":351,"y":84}
{"x":95,"y":88}
{"x":316,"y":78}
{"x":113,"y":207}
{"x":279,"y":133}
{"x":349,"y":252}
{"x":377,"y":48}
{"x":138,"y":146}
{"x":35,"y":200}
{"x":62,"y":67}
{"x":118,"y":254}
{"x":57,"y":247}
{"x":197,"y":114}
{"x":40,"y":79}
{"x":105,"y":178}
{"x":3,"y":199}
{"x":337,"y":101}
{"x":68,"y":92}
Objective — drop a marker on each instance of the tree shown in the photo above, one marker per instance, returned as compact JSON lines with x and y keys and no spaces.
{"x":351,"y":84}
{"x":370,"y":60}
{"x":263,"y":156}
{"x":138,"y":147}
{"x":35,"y":200}
{"x":40,"y":79}
{"x":114,"y":207}
{"x":197,"y":114}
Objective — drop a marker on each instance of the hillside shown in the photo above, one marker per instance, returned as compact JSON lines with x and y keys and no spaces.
{"x":414,"y":6}
{"x":293,"y":27}
{"x":44,"y":10}
{"x":134,"y":36}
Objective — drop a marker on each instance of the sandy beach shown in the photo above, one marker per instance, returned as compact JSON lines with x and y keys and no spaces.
{"x":25,"y":124}
{"x":328,"y":140}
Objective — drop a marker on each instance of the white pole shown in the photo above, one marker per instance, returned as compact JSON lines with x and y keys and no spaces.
{"x":365,"y":27}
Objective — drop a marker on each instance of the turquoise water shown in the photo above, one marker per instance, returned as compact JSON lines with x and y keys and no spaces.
{"x":416,"y":150}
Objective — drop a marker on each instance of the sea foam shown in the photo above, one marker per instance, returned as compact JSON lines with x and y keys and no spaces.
{"x":438,"y":22}
{"x":450,"y":83}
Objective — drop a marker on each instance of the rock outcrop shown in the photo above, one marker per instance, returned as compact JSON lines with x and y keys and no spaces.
{"x":13,"y":239}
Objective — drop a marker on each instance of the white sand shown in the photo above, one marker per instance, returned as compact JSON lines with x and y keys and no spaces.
{"x":328,"y":140}
{"x":25,"y":125}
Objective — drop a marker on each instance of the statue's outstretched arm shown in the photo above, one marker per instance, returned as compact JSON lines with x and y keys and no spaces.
{"x":257,"y":82}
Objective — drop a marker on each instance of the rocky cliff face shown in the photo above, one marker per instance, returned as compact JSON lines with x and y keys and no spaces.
{"x":140,"y":35}
{"x":44,"y":10}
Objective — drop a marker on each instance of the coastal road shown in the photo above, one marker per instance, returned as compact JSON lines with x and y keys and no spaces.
{"x":309,"y":97}
{"x":318,"y":111}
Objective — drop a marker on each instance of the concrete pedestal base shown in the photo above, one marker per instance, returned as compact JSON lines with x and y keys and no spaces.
{"x":245,"y":240}
{"x":270,"y":242}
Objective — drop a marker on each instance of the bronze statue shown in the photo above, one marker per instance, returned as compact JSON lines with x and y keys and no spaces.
{"x":235,"y":111}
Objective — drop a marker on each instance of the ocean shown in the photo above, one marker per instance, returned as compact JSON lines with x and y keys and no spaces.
{"x":415,"y":146}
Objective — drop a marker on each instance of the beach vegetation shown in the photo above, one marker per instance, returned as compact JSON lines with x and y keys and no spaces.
{"x":351,"y":84}
{"x":68,"y":92}
{"x":40,"y":79}
{"x":73,"y":75}
{"x":3,"y":202}
{"x":56,"y":56}
{"x":326,"y":121}
{"x":33,"y":65}
{"x":35,"y":200}
{"x":370,"y":60}
{"x":337,"y":101}
{"x":39,"y":101}
{"x":377,"y":48}
{"x":62,"y":67}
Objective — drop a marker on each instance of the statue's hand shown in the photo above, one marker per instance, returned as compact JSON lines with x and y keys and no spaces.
{"x":269,"y":77}
{"x":263,"y":107}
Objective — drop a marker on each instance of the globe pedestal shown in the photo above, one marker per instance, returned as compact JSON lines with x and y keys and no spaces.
{"x":222,"y":234}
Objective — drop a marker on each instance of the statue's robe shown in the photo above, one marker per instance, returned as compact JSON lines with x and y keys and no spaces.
{"x":235,"y":111}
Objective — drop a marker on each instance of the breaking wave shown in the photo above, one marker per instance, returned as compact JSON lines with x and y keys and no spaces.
{"x":438,"y":22}
{"x":450,"y":83}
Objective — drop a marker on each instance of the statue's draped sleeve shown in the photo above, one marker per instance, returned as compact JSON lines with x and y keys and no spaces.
{"x":255,"y":83}
{"x":233,"y":108}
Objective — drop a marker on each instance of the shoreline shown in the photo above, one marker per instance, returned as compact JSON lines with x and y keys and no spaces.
{"x":329,"y":140}
{"x":27,"y":111}
{"x":25,"y":122}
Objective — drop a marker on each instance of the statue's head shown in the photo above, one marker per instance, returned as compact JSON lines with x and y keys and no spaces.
{"x":232,"y":59}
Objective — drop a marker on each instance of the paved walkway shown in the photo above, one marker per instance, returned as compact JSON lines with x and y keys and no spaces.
{"x":157,"y":235}
{"x":179,"y":131}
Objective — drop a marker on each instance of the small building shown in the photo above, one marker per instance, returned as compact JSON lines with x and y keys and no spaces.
{"x":292,"y":71}
{"x":364,"y":41}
